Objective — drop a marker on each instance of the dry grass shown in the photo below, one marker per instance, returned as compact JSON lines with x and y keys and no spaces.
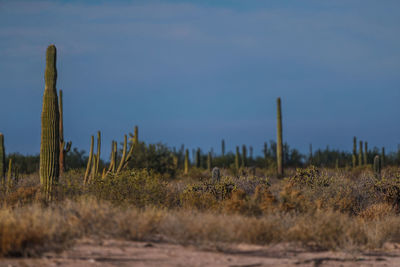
{"x":320,"y":209}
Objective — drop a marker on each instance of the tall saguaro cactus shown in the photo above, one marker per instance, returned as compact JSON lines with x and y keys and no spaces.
{"x":50,"y":146}
{"x":244,"y":156}
{"x":365,"y":153}
{"x":223,"y":147}
{"x":2,"y":159}
{"x":279,"y":143}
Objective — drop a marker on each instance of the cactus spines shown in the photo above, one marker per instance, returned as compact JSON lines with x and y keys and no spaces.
{"x":89,"y":163}
{"x":186,"y":170}
{"x":2,"y":159}
{"x":279,"y":144}
{"x":237,"y":156}
{"x":354,"y":156}
{"x":365,"y":153}
{"x":216,"y":174}
{"x":244,"y":156}
{"x":50,"y":146}
{"x":223,"y":147}
{"x":377,"y":167}
{"x":360,"y":154}
{"x":64,"y":148}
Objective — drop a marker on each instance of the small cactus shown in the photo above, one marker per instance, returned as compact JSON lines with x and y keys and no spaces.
{"x":216,"y":174}
{"x":244,"y":156}
{"x":89,"y":163}
{"x":354,"y":156}
{"x":2,"y":159}
{"x":279,"y":143}
{"x":365,"y":153}
{"x":377,"y":167}
{"x":360,"y":154}
{"x":237,"y":156}
{"x":186,"y":171}
{"x":64,"y":147}
{"x":209,"y":161}
{"x":50,"y":146}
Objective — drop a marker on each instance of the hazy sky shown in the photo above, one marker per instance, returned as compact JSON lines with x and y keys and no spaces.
{"x":195,"y":72}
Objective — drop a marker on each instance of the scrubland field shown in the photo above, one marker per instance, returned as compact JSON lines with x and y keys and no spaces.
{"x":312,"y":208}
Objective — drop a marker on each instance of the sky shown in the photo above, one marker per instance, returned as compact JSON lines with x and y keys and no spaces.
{"x":196,"y":72}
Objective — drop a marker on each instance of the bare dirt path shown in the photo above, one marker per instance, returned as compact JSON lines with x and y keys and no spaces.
{"x":127,"y":253}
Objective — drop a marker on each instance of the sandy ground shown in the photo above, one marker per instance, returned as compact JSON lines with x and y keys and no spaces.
{"x":127,"y":253}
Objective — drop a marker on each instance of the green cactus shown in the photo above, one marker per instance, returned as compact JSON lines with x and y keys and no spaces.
{"x":365,"y":153}
{"x":244,"y":156}
{"x":123,"y":157}
{"x":186,"y":171}
{"x":360,"y":154}
{"x":279,"y":143}
{"x":354,"y":157}
{"x":377,"y":167}
{"x":64,"y":147}
{"x":50,"y":142}
{"x":2,"y":159}
{"x":209,"y":161}
{"x":223,"y":147}
{"x":237,"y":157}
{"x":89,"y":163}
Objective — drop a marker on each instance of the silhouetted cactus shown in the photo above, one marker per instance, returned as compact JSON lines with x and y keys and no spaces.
{"x":279,"y":143}
{"x":377,"y":167}
{"x":251,"y":153}
{"x":365,"y":153}
{"x":64,"y":148}
{"x":360,"y":154}
{"x":223,"y":147}
{"x":310,"y":155}
{"x":244,"y":156}
{"x":237,"y":156}
{"x":209,"y":161}
{"x":354,"y":156}
{"x":216,"y":174}
{"x":383,"y":158}
{"x":186,"y":171}
{"x":50,"y":140}
{"x":2,"y":159}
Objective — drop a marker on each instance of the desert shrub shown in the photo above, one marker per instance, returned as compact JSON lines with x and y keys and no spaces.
{"x":207,"y":194}
{"x":389,"y":190}
{"x":377,"y":211}
{"x":138,"y":187}
{"x":310,"y":177}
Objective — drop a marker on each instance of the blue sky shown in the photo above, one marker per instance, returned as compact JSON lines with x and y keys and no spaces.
{"x":195,"y":72}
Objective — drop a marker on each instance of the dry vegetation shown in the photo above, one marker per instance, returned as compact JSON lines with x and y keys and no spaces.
{"x":317,"y":208}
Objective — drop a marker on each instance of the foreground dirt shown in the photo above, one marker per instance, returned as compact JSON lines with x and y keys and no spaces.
{"x":127,"y":253}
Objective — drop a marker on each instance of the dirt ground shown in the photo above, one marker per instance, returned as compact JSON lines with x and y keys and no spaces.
{"x":126,"y":253}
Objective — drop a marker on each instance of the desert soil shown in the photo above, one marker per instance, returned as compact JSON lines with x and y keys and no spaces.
{"x":127,"y":253}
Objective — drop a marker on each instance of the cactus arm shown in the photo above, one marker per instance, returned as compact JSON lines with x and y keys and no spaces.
{"x":123,"y":157}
